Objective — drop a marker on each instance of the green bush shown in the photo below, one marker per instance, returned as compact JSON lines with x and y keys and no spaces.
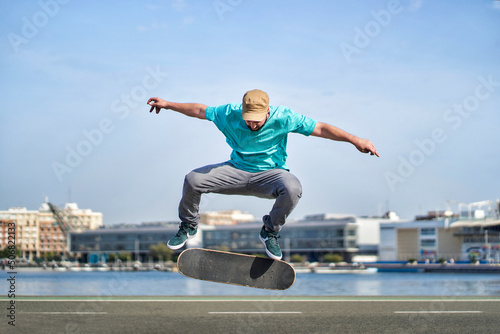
{"x":125,"y":256}
{"x":112,"y":257}
{"x":297,"y":258}
{"x":160,"y":250}
{"x":335,"y":258}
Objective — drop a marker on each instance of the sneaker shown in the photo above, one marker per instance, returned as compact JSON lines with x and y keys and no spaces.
{"x":270,"y":240}
{"x":179,"y":239}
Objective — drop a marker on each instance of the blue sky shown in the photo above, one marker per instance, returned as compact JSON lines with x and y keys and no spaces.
{"x":420,"y":79}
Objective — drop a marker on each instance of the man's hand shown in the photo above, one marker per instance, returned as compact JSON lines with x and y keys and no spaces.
{"x":157,"y":103}
{"x":189,"y":109}
{"x":328,"y":131}
{"x":365,"y":146}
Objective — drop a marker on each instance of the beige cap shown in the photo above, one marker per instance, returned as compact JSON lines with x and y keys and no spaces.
{"x":255,"y":105}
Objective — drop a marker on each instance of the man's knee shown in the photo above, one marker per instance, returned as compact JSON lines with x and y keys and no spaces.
{"x":292,"y":187}
{"x":192,"y":179}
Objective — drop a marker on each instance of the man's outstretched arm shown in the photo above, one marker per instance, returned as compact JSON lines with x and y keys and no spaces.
{"x":189,"y":109}
{"x":328,"y":131}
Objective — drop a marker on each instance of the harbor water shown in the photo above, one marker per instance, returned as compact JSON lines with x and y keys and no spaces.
{"x":160,"y":283}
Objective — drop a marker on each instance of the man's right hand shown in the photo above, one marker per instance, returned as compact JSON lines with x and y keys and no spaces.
{"x":157,"y":103}
{"x":189,"y":109}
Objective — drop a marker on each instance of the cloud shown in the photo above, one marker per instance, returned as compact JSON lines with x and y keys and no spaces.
{"x":153,"y":26}
{"x":179,"y":5}
{"x":415,"y":5}
{"x":154,"y":7}
{"x":187,"y":20}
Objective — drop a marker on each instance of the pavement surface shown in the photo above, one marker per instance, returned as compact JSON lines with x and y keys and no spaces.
{"x":249,"y":314}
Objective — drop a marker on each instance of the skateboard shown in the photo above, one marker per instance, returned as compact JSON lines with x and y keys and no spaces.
{"x":237,"y":269}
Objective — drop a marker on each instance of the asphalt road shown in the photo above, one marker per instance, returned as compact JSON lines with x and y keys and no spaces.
{"x":232,"y":314}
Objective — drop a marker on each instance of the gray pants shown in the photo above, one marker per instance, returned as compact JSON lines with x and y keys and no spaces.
{"x":223,"y":178}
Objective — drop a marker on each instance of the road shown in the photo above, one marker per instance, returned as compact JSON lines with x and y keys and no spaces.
{"x":271,"y":314}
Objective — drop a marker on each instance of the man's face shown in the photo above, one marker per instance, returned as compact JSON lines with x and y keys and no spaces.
{"x":255,"y":126}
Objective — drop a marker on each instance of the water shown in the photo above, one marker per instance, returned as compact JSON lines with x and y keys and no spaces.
{"x":154,"y":283}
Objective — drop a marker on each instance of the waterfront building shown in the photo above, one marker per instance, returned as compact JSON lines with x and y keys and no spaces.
{"x":39,"y":233}
{"x":8,"y":232}
{"x":470,"y":234}
{"x":230,"y":217}
{"x":313,"y":237}
{"x":132,"y":239}
{"x":26,"y":229}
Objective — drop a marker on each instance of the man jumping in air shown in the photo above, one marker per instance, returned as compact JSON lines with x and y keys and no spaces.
{"x":257,"y":133}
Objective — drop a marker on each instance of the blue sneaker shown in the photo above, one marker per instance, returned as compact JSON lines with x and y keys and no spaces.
{"x":179,"y":239}
{"x":270,"y":240}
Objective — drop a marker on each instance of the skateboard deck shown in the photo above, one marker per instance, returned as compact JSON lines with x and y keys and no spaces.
{"x":234,"y":268}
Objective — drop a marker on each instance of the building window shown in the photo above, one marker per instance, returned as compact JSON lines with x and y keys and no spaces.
{"x":428,"y":231}
{"x":428,"y":243}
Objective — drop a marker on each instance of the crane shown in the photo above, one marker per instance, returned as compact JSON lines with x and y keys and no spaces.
{"x":64,"y":220}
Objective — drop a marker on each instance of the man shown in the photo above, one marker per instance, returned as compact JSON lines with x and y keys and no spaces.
{"x":257,"y":134}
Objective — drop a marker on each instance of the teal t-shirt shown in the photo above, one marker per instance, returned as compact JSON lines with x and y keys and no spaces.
{"x":256,"y":151}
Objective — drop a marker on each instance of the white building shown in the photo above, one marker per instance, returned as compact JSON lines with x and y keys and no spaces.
{"x":473,"y":233}
{"x":230,"y":217}
{"x":37,"y":232}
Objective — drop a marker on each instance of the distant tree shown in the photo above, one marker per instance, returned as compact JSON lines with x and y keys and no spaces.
{"x":297,"y":258}
{"x":335,"y":258}
{"x":6,"y":252}
{"x":49,"y":256}
{"x":161,"y":250}
{"x":224,"y":248}
{"x":112,"y":257}
{"x":125,"y":256}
